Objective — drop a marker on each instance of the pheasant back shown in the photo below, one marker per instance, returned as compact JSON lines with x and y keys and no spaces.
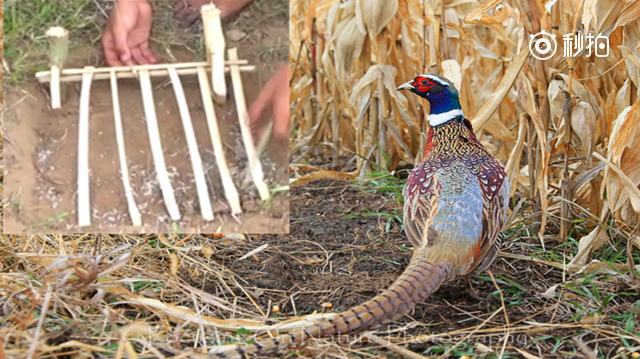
{"x":456,"y":200}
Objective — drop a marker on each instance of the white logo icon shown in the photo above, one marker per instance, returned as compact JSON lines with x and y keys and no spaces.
{"x":543,"y":45}
{"x":602,"y":44}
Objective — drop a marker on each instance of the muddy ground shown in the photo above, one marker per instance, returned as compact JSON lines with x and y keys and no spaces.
{"x":41,"y":144}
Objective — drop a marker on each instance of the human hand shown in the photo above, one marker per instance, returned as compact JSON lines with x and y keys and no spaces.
{"x":126,"y":37}
{"x":275,"y":93}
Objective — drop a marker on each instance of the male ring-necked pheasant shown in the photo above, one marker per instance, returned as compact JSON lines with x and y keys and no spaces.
{"x":455,"y":205}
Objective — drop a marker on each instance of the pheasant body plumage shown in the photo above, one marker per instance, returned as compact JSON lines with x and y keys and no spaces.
{"x":455,"y":206}
{"x":456,"y":199}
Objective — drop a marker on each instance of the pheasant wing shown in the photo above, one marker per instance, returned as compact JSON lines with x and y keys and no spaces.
{"x":495,"y":193}
{"x":421,"y":203}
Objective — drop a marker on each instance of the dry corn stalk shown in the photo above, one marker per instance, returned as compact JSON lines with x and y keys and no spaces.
{"x":348,"y":57}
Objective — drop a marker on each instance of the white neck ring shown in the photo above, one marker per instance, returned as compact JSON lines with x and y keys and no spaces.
{"x":439,"y":119}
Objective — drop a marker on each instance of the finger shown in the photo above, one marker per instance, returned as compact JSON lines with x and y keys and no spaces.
{"x":258,"y":106}
{"x":179,"y":6}
{"x":281,"y":117}
{"x":138,"y":58}
{"x":120,"y":42}
{"x":146,"y":52}
{"x":143,"y":28}
{"x":110,"y":53}
{"x":264,"y":98}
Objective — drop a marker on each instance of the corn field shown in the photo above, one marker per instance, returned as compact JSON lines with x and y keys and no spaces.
{"x":567,"y":128}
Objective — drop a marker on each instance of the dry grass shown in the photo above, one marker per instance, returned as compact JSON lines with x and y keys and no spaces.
{"x":174,"y":296}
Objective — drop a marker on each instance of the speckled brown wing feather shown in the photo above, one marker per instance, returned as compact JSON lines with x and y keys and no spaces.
{"x":495,"y":193}
{"x":421,"y":203}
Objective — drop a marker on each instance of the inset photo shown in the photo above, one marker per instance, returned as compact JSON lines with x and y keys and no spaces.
{"x":146,"y":116}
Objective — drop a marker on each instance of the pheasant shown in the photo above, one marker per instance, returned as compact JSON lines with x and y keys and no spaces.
{"x":455,"y":206}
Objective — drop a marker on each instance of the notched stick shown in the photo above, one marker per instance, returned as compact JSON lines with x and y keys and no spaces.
{"x":156,"y":145}
{"x":194,"y":152}
{"x":243,"y":117}
{"x":230,"y":191}
{"x":84,"y":206}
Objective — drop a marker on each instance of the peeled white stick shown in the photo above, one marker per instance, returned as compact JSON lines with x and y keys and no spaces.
{"x":131,"y":203}
{"x":227,"y":181}
{"x":84,"y":206}
{"x":194,"y":152}
{"x":215,"y":45}
{"x":129,"y":69}
{"x":58,"y":53}
{"x":54,"y":88}
{"x":156,"y":146}
{"x":254,"y":162}
{"x":72,"y":75}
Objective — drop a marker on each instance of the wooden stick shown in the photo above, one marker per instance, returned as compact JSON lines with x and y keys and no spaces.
{"x":178,"y":65}
{"x":45,"y":76}
{"x":254,"y":162}
{"x":227,"y":181}
{"x":54,"y":88}
{"x":131,"y":203}
{"x":84,"y":206}
{"x":58,"y":53}
{"x":215,"y":45}
{"x":194,"y":152}
{"x":156,"y":145}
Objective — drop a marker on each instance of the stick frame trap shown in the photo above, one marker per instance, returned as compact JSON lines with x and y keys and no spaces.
{"x":214,"y":68}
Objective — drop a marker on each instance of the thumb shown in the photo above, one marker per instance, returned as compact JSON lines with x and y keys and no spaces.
{"x":281,"y":118}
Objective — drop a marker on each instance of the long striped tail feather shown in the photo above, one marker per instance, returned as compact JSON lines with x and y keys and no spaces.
{"x":416,"y":283}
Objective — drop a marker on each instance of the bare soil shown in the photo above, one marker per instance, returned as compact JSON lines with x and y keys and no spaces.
{"x":42,"y":147}
{"x":337,"y":254}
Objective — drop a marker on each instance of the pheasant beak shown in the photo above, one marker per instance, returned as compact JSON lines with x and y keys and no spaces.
{"x":406,"y":86}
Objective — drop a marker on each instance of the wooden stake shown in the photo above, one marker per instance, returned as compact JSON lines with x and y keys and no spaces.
{"x":194,"y":152}
{"x":58,"y":53}
{"x":215,"y":45}
{"x":227,"y":181}
{"x":84,"y":206}
{"x":254,"y":162}
{"x":76,"y":74}
{"x":131,"y":203}
{"x":156,"y":145}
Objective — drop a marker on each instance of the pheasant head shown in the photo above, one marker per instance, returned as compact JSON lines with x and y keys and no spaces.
{"x":442,"y":95}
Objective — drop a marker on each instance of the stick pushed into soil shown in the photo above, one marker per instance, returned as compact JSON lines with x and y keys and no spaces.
{"x":194,"y":152}
{"x":243,"y":117}
{"x":131,"y":203}
{"x":227,"y":181}
{"x":215,"y":45}
{"x":156,"y":145}
{"x":84,"y":206}
{"x":58,"y":53}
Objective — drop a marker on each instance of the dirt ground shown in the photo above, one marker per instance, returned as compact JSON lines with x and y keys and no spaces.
{"x":358,"y":255}
{"x":338,"y":252}
{"x":41,"y":146}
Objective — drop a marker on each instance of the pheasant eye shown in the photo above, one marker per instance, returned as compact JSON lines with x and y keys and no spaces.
{"x":425,"y":82}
